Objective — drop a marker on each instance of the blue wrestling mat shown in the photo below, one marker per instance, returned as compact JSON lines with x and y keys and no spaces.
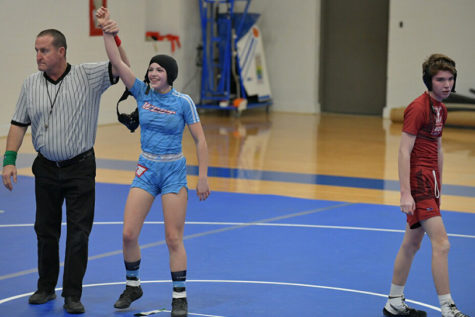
{"x":248,"y":255}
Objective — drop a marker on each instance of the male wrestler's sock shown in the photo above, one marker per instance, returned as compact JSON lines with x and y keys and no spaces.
{"x":445,"y":299}
{"x":396,"y":298}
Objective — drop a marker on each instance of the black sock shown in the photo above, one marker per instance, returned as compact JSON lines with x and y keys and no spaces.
{"x":132,"y":273}
{"x":179,"y":286}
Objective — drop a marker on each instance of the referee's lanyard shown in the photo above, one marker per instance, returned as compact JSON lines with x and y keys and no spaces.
{"x":51,"y":102}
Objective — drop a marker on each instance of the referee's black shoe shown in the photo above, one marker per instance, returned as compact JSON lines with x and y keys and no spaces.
{"x":41,"y":297}
{"x":73,"y":305}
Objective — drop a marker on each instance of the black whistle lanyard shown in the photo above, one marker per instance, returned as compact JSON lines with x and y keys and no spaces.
{"x":52,"y":102}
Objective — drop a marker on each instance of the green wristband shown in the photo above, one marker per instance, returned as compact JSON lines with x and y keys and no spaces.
{"x":9,"y":158}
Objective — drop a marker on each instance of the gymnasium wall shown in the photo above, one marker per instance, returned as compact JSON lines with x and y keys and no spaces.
{"x":290,"y":32}
{"x":291,"y":36}
{"x":429,"y":26}
{"x":291,"y":47}
{"x":22,"y":20}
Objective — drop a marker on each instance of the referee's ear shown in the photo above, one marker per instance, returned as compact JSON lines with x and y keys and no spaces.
{"x":62,"y":51}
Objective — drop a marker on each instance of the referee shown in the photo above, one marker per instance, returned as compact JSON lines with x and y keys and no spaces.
{"x":61,"y":103}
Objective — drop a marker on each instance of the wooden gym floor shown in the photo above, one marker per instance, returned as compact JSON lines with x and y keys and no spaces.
{"x":343,"y":147}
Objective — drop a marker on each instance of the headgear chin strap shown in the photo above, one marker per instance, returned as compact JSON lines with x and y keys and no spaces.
{"x":131,"y":121}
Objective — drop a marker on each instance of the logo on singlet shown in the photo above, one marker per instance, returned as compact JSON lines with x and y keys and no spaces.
{"x":437,"y":128}
{"x":140,"y":170}
{"x":152,"y":108}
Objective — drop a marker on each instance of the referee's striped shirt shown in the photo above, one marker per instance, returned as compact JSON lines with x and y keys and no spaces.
{"x":63,"y":113}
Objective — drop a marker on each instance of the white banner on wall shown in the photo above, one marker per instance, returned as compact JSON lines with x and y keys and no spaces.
{"x":253,"y":64}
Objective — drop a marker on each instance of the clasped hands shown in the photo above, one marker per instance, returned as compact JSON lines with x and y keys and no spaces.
{"x":107,"y":25}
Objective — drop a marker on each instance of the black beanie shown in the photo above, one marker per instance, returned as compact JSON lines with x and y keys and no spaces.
{"x":167,"y":62}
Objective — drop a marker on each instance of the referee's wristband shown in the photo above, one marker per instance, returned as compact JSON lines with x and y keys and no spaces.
{"x":117,"y":40}
{"x":9,"y":158}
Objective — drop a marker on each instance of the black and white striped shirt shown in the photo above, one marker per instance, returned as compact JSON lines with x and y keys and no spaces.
{"x":70,"y":129}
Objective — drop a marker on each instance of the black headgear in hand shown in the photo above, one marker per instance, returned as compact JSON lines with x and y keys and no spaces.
{"x":131,"y":121}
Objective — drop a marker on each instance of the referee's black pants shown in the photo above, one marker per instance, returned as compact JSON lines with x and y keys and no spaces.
{"x":74,"y":183}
